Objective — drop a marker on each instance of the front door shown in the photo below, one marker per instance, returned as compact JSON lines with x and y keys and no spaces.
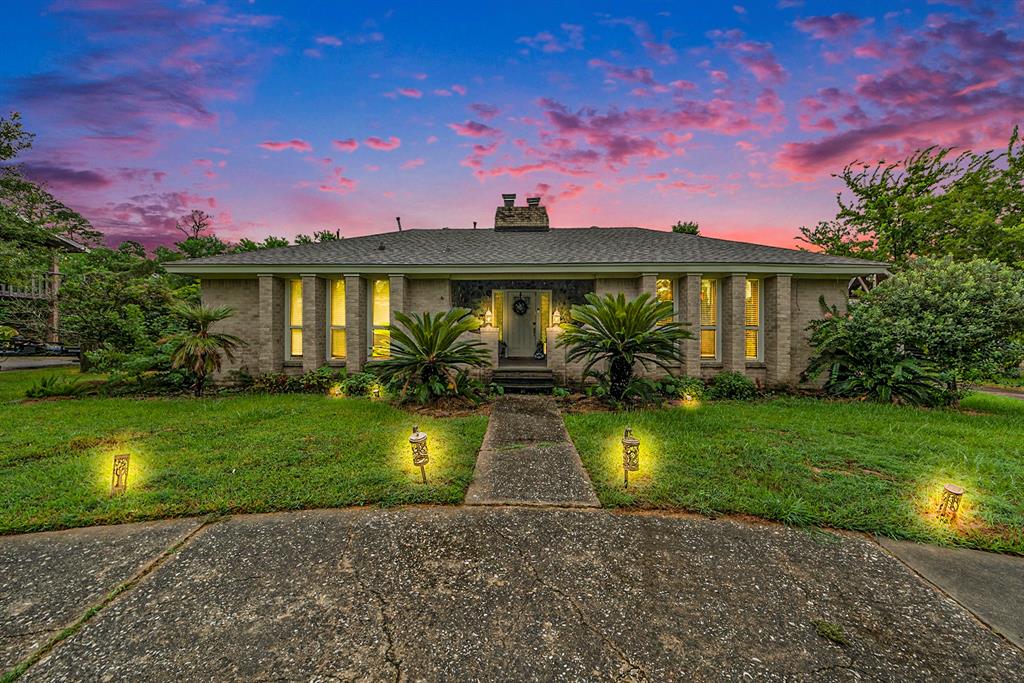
{"x":521,"y":323}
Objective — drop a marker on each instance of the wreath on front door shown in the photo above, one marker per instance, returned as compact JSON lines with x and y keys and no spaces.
{"x":520,"y":306}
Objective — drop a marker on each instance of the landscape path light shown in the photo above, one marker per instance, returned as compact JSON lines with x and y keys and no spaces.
{"x":949,"y":504}
{"x":630,"y":455}
{"x":420,"y":452}
{"x":119,"y":480}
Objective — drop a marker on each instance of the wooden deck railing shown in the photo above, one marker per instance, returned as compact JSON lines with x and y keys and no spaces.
{"x":38,"y":287}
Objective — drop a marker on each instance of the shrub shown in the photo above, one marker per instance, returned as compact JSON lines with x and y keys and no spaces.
{"x":56,"y":385}
{"x":623,"y":333}
{"x":731,"y":386}
{"x":861,"y":364}
{"x":197,"y":348}
{"x":560,"y":392}
{"x":680,"y":387}
{"x":427,"y":356}
{"x":358,"y":383}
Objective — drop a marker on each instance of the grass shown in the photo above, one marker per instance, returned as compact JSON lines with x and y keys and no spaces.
{"x":858,"y":466}
{"x":244,"y":453}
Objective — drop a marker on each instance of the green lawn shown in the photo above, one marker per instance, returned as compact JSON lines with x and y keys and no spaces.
{"x":217,"y":455}
{"x":847,"y":465}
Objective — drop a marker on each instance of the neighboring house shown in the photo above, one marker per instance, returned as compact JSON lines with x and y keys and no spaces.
{"x":46,"y":286}
{"x":302,"y":307}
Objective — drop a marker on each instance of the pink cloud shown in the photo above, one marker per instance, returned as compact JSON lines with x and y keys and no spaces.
{"x":833,"y":26}
{"x":282,"y":145}
{"x":441,"y":92}
{"x":413,"y":163}
{"x":620,"y":73}
{"x":473,"y":129}
{"x":545,"y":41}
{"x":410,"y":92}
{"x":460,"y":89}
{"x":333,"y":41}
{"x":431,"y":139}
{"x":660,"y":51}
{"x":869,"y":50}
{"x":337,"y":183}
{"x":347,"y":145}
{"x":382,"y":145}
{"x":484,"y":111}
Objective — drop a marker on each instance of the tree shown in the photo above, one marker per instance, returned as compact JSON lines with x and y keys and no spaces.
{"x":197,"y":348}
{"x":687,"y":228}
{"x":964,"y":320}
{"x":426,"y":353}
{"x":318,"y":236}
{"x":194,"y":224}
{"x":623,"y":333}
{"x":931,"y":204}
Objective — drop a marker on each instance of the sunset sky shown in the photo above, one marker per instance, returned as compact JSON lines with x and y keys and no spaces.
{"x":280,"y":119}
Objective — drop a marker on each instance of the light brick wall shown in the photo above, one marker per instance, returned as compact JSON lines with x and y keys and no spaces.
{"x":431,"y":295}
{"x":244,"y":297}
{"x":689,"y":312}
{"x":399,"y":295}
{"x":271,"y":323}
{"x":314,"y":322}
{"x":805,"y":308}
{"x":734,"y":297}
{"x":629,"y":286}
{"x":648,"y":284}
{"x":778,"y":329}
{"x":356,"y":323}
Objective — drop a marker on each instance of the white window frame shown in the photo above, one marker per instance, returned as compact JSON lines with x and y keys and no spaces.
{"x":331,"y":328}
{"x":288,"y":327}
{"x":369,"y":318}
{"x":717,"y":327}
{"x":760,"y":321}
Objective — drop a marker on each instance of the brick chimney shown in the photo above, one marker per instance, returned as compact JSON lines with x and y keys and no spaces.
{"x":530,"y":218}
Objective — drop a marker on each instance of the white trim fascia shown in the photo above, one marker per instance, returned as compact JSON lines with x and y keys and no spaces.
{"x":536,"y":271}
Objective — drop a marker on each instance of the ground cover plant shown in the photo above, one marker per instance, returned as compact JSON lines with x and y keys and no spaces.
{"x":228,"y":454}
{"x":852,"y":465}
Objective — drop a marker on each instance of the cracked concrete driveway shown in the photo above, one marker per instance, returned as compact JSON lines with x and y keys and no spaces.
{"x":493,"y":593}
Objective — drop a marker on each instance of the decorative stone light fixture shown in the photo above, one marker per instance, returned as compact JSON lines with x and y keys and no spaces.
{"x":420,"y":452}
{"x":488,"y":318}
{"x":119,"y":481}
{"x":949,"y":504}
{"x":556,"y":317}
{"x":630,"y":455}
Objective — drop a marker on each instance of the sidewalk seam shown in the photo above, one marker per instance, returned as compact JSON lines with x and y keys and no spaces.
{"x":89,"y":614}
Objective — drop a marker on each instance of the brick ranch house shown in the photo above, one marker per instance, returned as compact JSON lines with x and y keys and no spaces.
{"x":302,"y":307}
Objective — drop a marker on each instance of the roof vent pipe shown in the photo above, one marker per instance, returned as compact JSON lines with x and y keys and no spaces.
{"x":509,"y":199}
{"x":398,"y":219}
{"x":474,"y":225}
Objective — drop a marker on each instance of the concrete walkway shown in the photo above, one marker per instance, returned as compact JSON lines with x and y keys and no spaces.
{"x":527,"y":458}
{"x":463,"y":593}
{"x":990,"y":585}
{"x":36,"y":362}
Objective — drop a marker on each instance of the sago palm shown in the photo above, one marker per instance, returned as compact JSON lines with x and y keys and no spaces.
{"x":426,"y":353}
{"x":623,"y":333}
{"x":196,"y":348}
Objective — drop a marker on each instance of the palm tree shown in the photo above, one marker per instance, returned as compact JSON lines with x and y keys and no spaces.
{"x":623,"y":333}
{"x":198,"y":349}
{"x":426,"y":353}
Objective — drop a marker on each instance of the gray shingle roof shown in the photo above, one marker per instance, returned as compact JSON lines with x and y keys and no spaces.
{"x":559,"y":246}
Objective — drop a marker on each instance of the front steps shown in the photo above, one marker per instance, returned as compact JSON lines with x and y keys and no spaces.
{"x":524,"y":380}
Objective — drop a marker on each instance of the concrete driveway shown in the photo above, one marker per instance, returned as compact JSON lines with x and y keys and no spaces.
{"x":486,"y":593}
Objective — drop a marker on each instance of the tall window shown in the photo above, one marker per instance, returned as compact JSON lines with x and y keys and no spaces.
{"x":709,"y":319}
{"x":499,"y":310}
{"x":294,"y":315}
{"x":380,"y":294}
{"x":663,"y":290}
{"x":752,"y":320}
{"x":336,"y":335}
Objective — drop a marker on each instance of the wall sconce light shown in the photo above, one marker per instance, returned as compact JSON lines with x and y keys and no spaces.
{"x":488,"y":317}
{"x":556,"y":317}
{"x":630,"y":455}
{"x":119,"y":482}
{"x":950,"y":501}
{"x":420,"y":453}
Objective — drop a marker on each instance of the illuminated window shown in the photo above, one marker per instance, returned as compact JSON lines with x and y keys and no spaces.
{"x":663,"y":290}
{"x":709,"y":319}
{"x":336,"y":318}
{"x":752,"y":320}
{"x":545,"y":316}
{"x":294,"y":316}
{"x":499,"y":310}
{"x":380,"y":297}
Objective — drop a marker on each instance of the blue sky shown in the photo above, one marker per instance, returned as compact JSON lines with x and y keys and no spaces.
{"x":279,"y":118}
